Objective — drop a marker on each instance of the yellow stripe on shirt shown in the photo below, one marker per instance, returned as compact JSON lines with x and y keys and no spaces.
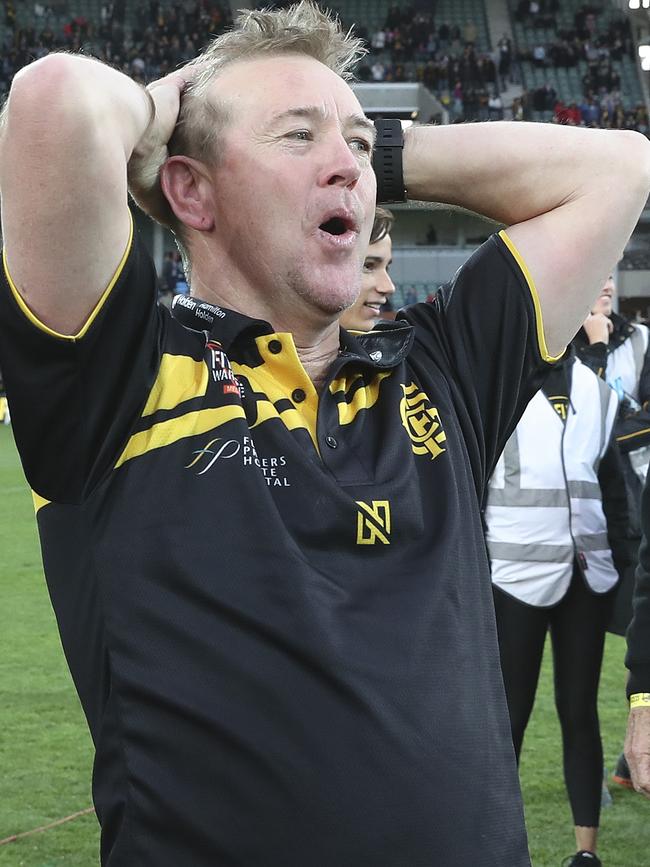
{"x":179,"y":379}
{"x":539,"y":322}
{"x":167,"y":432}
{"x":33,"y":318}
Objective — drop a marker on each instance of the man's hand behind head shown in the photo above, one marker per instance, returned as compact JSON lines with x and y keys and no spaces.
{"x":152,"y":150}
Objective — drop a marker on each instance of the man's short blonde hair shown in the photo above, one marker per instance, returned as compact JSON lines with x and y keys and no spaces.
{"x":301,"y":29}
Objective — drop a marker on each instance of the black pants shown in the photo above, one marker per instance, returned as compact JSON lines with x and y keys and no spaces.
{"x":577,"y":625}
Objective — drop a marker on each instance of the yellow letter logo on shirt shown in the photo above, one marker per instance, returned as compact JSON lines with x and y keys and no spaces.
{"x":422,"y":422}
{"x":373,"y":522}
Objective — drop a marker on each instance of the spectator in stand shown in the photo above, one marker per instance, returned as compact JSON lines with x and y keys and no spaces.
{"x":544,"y":98}
{"x":378,"y":71}
{"x":539,"y":56}
{"x":505,"y":59}
{"x":567,"y":114}
{"x":495,"y":107}
{"x":590,"y":111}
{"x":470,"y":33}
{"x":517,"y":109}
{"x":379,"y":40}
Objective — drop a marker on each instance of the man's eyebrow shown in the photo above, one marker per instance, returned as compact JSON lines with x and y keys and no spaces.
{"x":361,"y":121}
{"x":314,"y":112}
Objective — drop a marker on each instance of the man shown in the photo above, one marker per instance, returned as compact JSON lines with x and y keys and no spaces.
{"x":263,"y":542}
{"x":376,"y":284}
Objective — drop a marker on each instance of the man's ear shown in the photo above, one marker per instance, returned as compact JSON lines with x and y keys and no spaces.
{"x":187,"y":186}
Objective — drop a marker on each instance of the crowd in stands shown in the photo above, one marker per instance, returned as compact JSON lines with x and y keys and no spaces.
{"x":604,"y":112}
{"x":410,"y":45}
{"x":597,"y":49}
{"x":160,"y":39}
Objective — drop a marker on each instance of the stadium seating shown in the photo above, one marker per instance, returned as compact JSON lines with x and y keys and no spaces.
{"x":568,"y":82}
{"x":460,"y":12}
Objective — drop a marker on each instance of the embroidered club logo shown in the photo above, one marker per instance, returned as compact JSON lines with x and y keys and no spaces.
{"x":373,"y":522}
{"x":422,"y":422}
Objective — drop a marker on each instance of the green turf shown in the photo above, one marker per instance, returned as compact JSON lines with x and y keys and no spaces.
{"x":46,"y":754}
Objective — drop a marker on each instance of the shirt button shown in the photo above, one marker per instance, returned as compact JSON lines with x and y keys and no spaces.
{"x":332,"y":442}
{"x":298,"y":395}
{"x":275,"y":346}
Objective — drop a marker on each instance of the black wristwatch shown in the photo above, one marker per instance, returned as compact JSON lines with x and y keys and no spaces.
{"x":387,"y":160}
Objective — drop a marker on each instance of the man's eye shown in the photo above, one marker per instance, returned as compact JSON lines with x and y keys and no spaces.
{"x":368,"y":267}
{"x":301,"y":134}
{"x":361,"y":144}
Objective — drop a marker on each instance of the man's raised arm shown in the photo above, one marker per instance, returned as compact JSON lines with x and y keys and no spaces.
{"x":68,"y":131}
{"x":570,"y":197}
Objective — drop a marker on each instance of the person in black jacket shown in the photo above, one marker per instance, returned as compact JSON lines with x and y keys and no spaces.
{"x":637,"y":741}
{"x":618,"y":350}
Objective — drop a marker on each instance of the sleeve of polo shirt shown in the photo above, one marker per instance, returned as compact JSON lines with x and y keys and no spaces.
{"x":485,"y":328}
{"x":74,"y":398}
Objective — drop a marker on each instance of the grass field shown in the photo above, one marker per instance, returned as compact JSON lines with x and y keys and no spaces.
{"x":46,"y":753}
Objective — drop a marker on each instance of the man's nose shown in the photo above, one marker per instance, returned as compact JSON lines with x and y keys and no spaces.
{"x":342,"y":165}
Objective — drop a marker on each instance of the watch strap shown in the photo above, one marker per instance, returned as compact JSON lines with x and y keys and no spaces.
{"x":387,"y":160}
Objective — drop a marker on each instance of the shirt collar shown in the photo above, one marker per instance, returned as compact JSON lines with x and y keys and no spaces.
{"x":384,"y":347}
{"x":224,"y":326}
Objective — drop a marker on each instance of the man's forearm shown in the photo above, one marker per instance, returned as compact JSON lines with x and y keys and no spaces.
{"x":507,"y":171}
{"x":571,"y":198}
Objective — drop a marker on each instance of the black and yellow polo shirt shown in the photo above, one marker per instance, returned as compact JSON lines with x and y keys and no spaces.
{"x":276,"y":605}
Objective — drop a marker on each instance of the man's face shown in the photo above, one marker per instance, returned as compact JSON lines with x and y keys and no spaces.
{"x":604,"y":301}
{"x":376,"y":288}
{"x":294,"y":189}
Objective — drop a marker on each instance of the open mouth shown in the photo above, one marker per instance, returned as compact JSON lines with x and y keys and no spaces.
{"x":336,"y":226}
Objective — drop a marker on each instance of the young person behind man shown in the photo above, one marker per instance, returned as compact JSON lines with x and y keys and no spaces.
{"x":377,"y":287}
{"x":261,"y":533}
